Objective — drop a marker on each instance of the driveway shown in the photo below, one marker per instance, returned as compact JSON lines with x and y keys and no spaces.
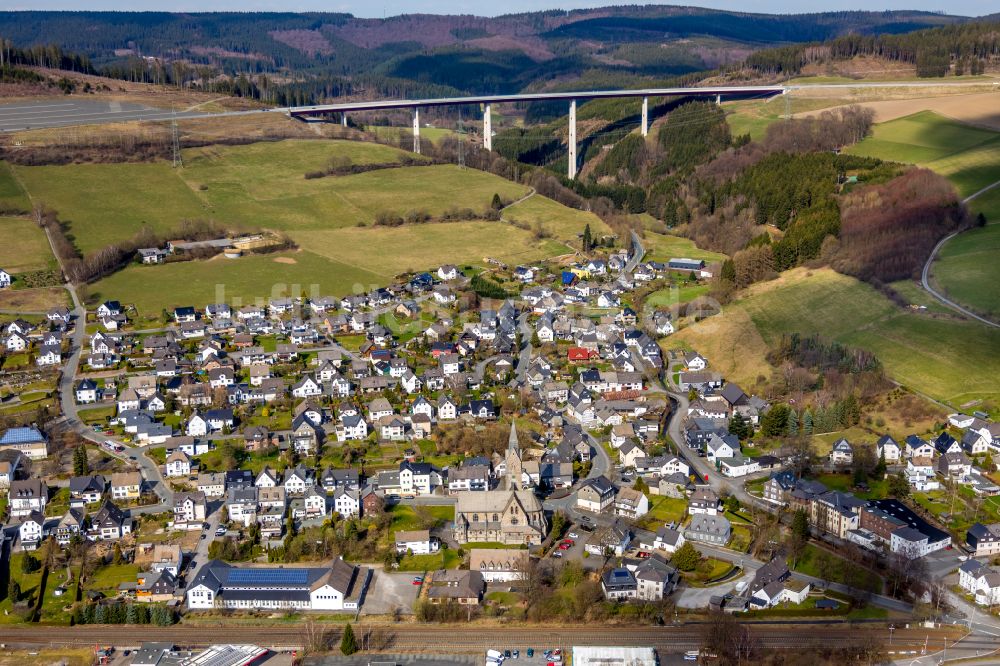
{"x":698,"y":597}
{"x":389,"y":592}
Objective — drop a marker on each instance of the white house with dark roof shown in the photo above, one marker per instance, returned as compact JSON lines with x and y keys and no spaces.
{"x":889,"y":448}
{"x":842,"y":452}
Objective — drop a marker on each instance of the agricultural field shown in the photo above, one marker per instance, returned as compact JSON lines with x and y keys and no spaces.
{"x":944,"y":357}
{"x":973,"y":108}
{"x":966,"y":268}
{"x":968,"y":156}
{"x":33,"y":300}
{"x":753,"y":117}
{"x":563,"y":222}
{"x":12,"y":197}
{"x":388,"y":251}
{"x":25,"y":247}
{"x":240,"y":281}
{"x":661,"y":247}
{"x":253,"y":186}
{"x":670,"y":296}
{"x":262,"y":185}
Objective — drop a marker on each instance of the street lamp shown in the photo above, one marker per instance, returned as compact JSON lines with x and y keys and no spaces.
{"x":891,"y":629}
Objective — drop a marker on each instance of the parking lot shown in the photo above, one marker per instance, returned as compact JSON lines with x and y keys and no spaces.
{"x":390,"y":592}
{"x":575,"y":552}
{"x":539,"y":658}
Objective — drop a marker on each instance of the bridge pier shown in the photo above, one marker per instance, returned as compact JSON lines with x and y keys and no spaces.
{"x":488,"y":127}
{"x":718,"y":100}
{"x":645,"y":116}
{"x":343,"y":120}
{"x":571,"y":170}
{"x":416,"y":130}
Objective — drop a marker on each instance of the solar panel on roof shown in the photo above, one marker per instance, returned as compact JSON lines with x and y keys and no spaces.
{"x":21,"y":436}
{"x":268,"y":576}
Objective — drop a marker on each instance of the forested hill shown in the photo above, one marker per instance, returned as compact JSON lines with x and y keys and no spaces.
{"x":426,"y":54}
{"x":965,"y":48}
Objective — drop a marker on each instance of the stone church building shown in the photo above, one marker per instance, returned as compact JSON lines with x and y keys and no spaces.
{"x":509,"y":515}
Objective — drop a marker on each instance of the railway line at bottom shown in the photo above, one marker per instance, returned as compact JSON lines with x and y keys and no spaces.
{"x":466,"y":639}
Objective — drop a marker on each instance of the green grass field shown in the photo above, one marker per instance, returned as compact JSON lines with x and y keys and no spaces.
{"x":673,"y":296}
{"x":24,"y":247}
{"x":406,"y":517}
{"x":952,"y":360}
{"x":102,"y":203}
{"x":231,"y":280}
{"x":262,"y":185}
{"x":753,"y":117}
{"x":966,"y":267}
{"x":563,"y":222}
{"x":12,"y":197}
{"x":968,"y":156}
{"x":388,"y":251}
{"x":661,"y":247}
{"x":251,"y":186}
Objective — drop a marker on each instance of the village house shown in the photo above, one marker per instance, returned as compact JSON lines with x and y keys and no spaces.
{"x":498,"y":565}
{"x":126,"y":486}
{"x":596,"y":495}
{"x":416,"y":542}
{"x":25,"y":496}
{"x":178,"y":465}
{"x":711,"y":529}
{"x":454,"y":585}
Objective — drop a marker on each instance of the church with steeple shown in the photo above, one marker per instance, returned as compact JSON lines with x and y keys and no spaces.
{"x":509,"y":515}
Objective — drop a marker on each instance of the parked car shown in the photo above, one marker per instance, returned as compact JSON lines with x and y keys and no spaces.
{"x":557,"y":554}
{"x":418,"y":580}
{"x":573,"y":535}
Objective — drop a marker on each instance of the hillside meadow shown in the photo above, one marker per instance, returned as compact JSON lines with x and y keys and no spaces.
{"x":968,"y":156}
{"x":24,"y":247}
{"x":966,"y":267}
{"x":236,"y":281}
{"x":946,"y":358}
{"x":332,"y":219}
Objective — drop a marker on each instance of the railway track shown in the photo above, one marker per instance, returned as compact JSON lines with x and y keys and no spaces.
{"x":407,"y":638}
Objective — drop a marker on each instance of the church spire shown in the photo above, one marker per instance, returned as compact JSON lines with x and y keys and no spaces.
{"x":512,"y":459}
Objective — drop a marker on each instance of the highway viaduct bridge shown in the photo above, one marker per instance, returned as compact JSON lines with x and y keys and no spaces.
{"x":487,"y":101}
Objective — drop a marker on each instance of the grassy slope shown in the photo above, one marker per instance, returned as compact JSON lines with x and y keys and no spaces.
{"x":263,"y":185}
{"x":388,"y":251}
{"x":661,"y":247}
{"x":562,"y":222}
{"x":236,"y":281}
{"x":12,"y":197}
{"x":258,"y":185}
{"x":24,"y":247}
{"x":948,"y":359}
{"x":970,"y":158}
{"x":966,"y":267}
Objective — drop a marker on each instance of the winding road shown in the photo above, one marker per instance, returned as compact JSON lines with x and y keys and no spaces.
{"x":926,"y":273}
